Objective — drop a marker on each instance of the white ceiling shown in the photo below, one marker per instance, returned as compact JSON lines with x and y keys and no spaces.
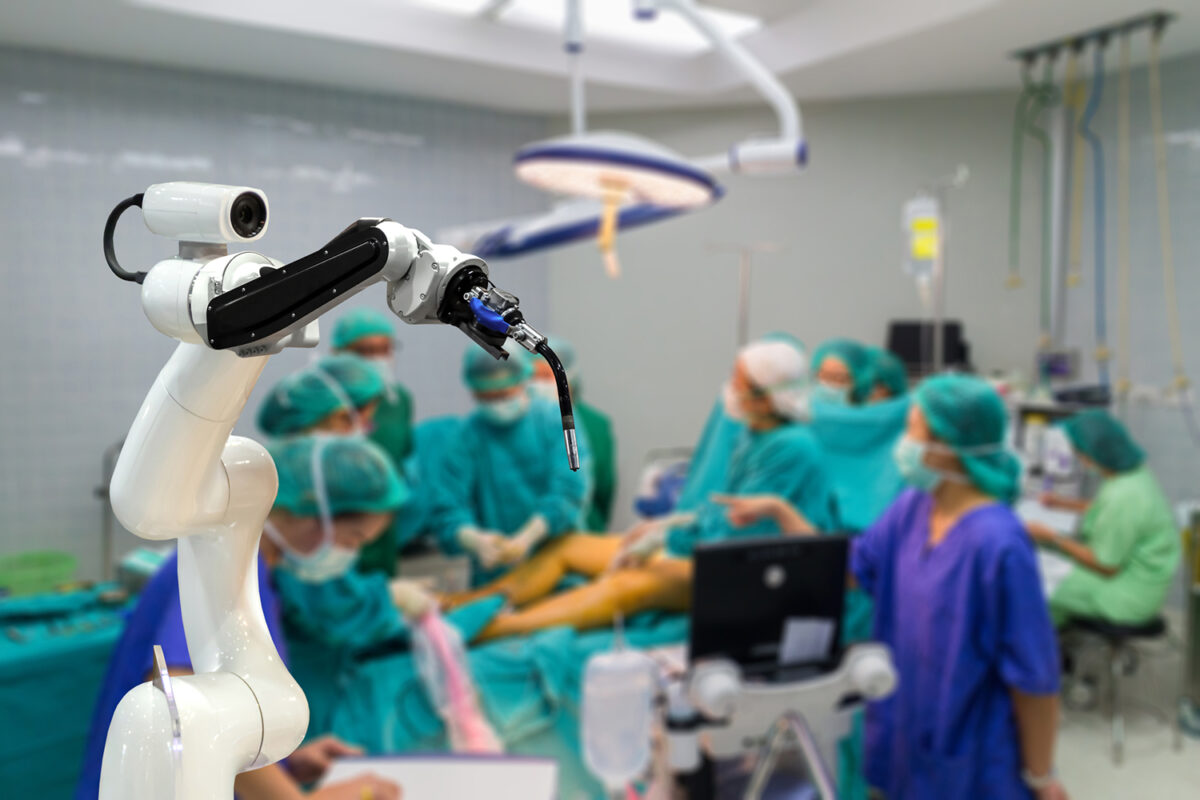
{"x":823,"y":49}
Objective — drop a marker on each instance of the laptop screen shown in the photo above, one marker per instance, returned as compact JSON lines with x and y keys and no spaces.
{"x":770,"y":604}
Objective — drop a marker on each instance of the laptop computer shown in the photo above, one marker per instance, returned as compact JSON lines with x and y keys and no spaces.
{"x":773,"y":606}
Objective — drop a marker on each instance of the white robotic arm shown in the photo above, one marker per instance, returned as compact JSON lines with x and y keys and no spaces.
{"x":181,"y":475}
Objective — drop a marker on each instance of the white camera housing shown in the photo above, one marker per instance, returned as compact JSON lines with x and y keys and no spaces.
{"x":205,"y":212}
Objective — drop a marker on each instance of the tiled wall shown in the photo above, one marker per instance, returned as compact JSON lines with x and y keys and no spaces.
{"x":76,"y":136}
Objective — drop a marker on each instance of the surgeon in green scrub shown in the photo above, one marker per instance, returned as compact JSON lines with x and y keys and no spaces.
{"x":596,"y":426}
{"x":1129,"y":547}
{"x":370,"y":335}
{"x":843,"y":372}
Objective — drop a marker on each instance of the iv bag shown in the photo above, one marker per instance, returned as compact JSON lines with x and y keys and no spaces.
{"x":923,"y":230}
{"x":618,"y":702}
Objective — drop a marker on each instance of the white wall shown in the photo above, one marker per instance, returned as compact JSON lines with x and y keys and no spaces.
{"x":76,"y":353}
{"x":656,"y":344}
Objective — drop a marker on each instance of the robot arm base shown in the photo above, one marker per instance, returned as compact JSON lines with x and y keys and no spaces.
{"x":221,"y":733}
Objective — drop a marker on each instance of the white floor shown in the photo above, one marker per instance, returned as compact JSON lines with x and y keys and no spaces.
{"x":1152,"y":769}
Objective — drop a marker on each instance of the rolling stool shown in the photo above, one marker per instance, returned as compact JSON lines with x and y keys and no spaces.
{"x":1120,"y":645}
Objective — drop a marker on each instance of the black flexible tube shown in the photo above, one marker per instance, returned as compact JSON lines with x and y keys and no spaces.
{"x":110,"y":252}
{"x":564,"y":402}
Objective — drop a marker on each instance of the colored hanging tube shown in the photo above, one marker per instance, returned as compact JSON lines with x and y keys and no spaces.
{"x":1014,"y":191}
{"x":1074,"y":97}
{"x":1180,"y":382}
{"x":1123,"y":384}
{"x":1043,"y":97}
{"x":1100,"y":228}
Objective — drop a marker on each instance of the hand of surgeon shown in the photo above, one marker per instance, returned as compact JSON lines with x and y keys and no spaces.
{"x":530,"y":535}
{"x":366,"y":786}
{"x":641,"y":542}
{"x":411,"y":598}
{"x":1054,"y":791}
{"x":745,"y":510}
{"x":309,"y":762}
{"x":484,"y":545}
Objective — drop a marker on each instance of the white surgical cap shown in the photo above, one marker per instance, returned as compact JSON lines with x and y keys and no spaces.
{"x":781,"y":370}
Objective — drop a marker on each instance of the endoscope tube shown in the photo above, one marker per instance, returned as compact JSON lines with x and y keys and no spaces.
{"x":564,"y":402}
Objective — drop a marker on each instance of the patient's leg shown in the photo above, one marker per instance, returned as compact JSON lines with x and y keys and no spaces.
{"x":581,"y":553}
{"x":664,"y":584}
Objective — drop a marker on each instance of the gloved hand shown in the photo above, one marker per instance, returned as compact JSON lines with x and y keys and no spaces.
{"x":527,"y":538}
{"x":484,"y":545}
{"x":413,"y":599}
{"x":638,"y":545}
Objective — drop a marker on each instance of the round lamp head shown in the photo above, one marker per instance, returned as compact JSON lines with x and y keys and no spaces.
{"x":605,"y":164}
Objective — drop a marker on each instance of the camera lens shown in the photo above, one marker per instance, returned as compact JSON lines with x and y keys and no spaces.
{"x":248,"y":215}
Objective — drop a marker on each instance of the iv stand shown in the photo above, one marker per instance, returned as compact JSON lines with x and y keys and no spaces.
{"x":746,"y":253}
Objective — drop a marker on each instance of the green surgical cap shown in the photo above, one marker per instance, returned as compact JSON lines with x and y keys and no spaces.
{"x":889,"y":372}
{"x":361,"y":382}
{"x":857,"y":359}
{"x":356,"y":475}
{"x":361,"y":322}
{"x":482,"y":373}
{"x":1101,"y":438}
{"x":968,"y":416}
{"x":297,"y":403}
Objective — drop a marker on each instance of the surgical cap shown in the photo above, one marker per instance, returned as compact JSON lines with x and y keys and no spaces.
{"x":967,"y":415}
{"x":857,"y":359}
{"x":355,"y":474}
{"x":299,"y":402}
{"x":780,"y":369}
{"x":361,"y":382}
{"x":482,"y":373}
{"x":360,"y":323}
{"x":888,"y":371}
{"x":1104,"y":440}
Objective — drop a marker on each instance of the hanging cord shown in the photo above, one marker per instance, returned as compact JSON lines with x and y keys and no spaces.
{"x":1014,"y":190}
{"x":1074,"y":96}
{"x":1180,"y":382}
{"x":1123,"y":384}
{"x":1100,"y":228}
{"x":1043,"y":97}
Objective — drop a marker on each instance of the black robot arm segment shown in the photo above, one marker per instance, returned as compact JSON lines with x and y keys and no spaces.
{"x":286,"y":297}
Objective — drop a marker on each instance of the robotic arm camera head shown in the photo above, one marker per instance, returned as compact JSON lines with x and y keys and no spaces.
{"x":205,"y":212}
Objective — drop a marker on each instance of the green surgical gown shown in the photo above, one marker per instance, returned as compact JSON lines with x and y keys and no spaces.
{"x":1129,"y":527}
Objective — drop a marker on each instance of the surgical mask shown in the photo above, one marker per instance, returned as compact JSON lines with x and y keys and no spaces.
{"x":830,"y":395}
{"x":506,"y":411}
{"x":386,"y":367}
{"x":733,"y":403}
{"x":547,"y":390}
{"x":330,"y":560}
{"x":910,"y":461}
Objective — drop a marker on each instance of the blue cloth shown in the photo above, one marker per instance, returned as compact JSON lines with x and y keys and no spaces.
{"x":966,"y":622}
{"x":55,"y":645}
{"x":786,"y":462}
{"x":529,"y":687}
{"x":857,"y":444}
{"x":423,"y":471}
{"x":495,"y":477}
{"x":709,"y":467}
{"x":156,"y":619}
{"x":326,"y":625}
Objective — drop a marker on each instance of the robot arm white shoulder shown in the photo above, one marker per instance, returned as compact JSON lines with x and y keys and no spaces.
{"x":170,"y":480}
